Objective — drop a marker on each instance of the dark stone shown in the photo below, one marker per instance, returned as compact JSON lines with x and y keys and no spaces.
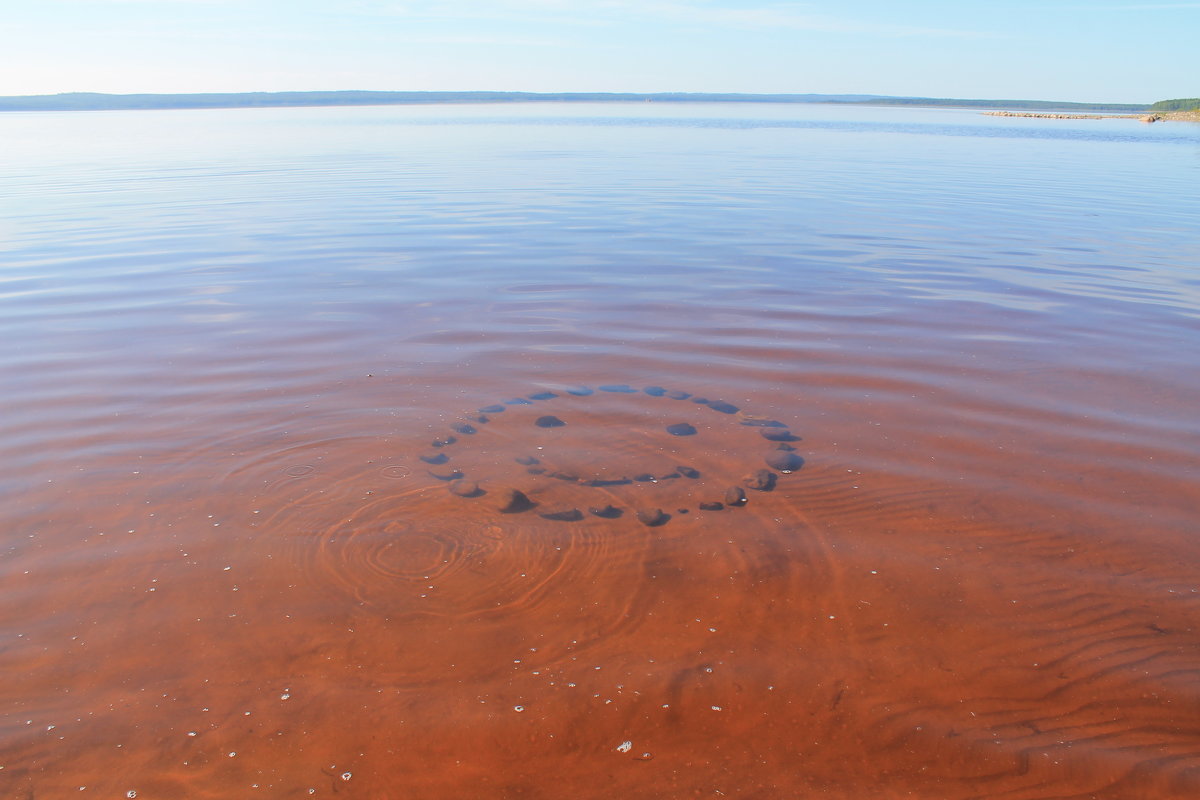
{"x":723,"y":407}
{"x":465,"y":488}
{"x":543,"y":396}
{"x":711,"y":506}
{"x":643,"y":477}
{"x":681,"y":429}
{"x":685,"y":511}
{"x":518,"y":401}
{"x":655,"y":391}
{"x":526,"y":461}
{"x":777,"y":435}
{"x":462,"y":428}
{"x":436,"y":458}
{"x":496,"y":409}
{"x":785,"y":446}
{"x":444,"y":441}
{"x":446,"y":474}
{"x":482,"y":419}
{"x":601,"y":482}
{"x":607,"y":512}
{"x":735,"y":496}
{"x":762,"y":480}
{"x":675,"y":394}
{"x":570,"y":477}
{"x":580,"y":391}
{"x":763,"y":423}
{"x":620,"y":388}
{"x":688,"y":472}
{"x":563,"y":515}
{"x":549,"y":421}
{"x":702,"y":401}
{"x":513,"y":501}
{"x":536,"y":470}
{"x":784,"y":461}
{"x":670,"y":476}
{"x":653,"y":517}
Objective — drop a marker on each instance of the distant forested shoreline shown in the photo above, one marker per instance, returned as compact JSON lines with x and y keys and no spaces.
{"x":92,"y":101}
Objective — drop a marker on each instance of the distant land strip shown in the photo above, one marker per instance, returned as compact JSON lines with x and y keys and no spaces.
{"x":92,"y":101}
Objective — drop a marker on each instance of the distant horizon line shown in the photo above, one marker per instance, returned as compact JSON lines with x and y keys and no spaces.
{"x":81,"y":101}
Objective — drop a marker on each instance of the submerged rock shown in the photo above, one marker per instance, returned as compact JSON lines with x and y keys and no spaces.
{"x":755,"y":422}
{"x":549,"y":421}
{"x":606,"y":512}
{"x":762,"y":480}
{"x":542,"y":396}
{"x":463,"y":428}
{"x":518,"y":401}
{"x":446,"y":474}
{"x":784,"y":460}
{"x":436,"y":458}
{"x":711,"y":506}
{"x":688,"y":472}
{"x":653,"y":517}
{"x":735,"y":496}
{"x":526,"y":461}
{"x":496,"y":409}
{"x":445,"y":441}
{"x":777,"y":435}
{"x":681,"y":429}
{"x":464,"y":488}
{"x":675,"y":394}
{"x":563,"y":515}
{"x":723,"y":407}
{"x":655,"y":391}
{"x":580,"y":391}
{"x":620,"y":388}
{"x":513,"y":501}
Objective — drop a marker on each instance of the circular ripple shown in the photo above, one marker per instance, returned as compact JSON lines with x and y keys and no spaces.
{"x":396,"y":471}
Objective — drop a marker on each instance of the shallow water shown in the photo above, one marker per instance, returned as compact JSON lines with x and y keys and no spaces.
{"x":228,"y":337}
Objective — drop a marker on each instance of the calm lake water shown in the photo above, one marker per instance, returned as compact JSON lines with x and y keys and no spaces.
{"x":235,"y":344}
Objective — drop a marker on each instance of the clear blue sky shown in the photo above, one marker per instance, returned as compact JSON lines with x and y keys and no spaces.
{"x":1123,"y":50}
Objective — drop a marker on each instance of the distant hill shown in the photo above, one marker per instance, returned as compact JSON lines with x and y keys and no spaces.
{"x":89,"y":101}
{"x":1186,"y":104}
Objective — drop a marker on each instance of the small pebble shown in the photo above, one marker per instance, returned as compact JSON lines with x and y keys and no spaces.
{"x":549,"y":421}
{"x":735,"y":496}
{"x":652,"y":517}
{"x":784,"y":461}
{"x":681,"y":429}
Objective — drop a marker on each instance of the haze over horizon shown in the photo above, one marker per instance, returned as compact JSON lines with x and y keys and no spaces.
{"x":1135,"y":52}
